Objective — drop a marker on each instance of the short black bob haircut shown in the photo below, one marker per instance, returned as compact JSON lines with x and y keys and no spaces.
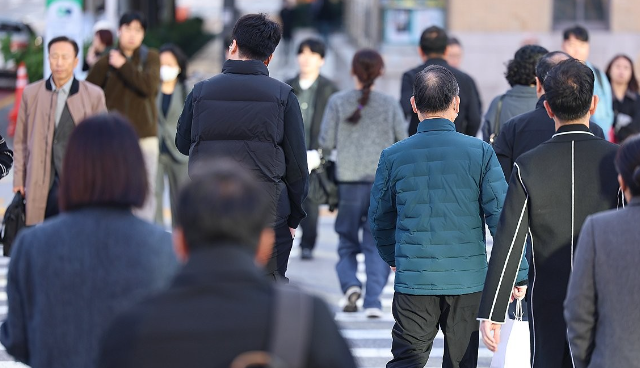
{"x":569,"y":89}
{"x":314,"y":45}
{"x":129,"y":17}
{"x":103,"y":165}
{"x":434,"y":89}
{"x":257,"y":36}
{"x":222,"y":204}
{"x":63,"y":39}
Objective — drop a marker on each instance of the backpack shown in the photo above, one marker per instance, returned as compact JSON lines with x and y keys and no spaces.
{"x":290,"y":334}
{"x":14,"y":220}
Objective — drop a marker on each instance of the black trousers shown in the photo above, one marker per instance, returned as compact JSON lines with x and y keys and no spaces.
{"x":418,"y":319}
{"x":277,"y":265}
{"x":52,"y":208}
{"x":309,"y":224}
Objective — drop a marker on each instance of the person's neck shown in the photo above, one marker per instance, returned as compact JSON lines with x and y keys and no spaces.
{"x":312,"y":76}
{"x":168,"y":87}
{"x":360,"y":85}
{"x":619,"y":90}
{"x":582,"y":121}
{"x":449,"y":115}
{"x":433,"y":56}
{"x":127,"y":52}
{"x":60,"y":83}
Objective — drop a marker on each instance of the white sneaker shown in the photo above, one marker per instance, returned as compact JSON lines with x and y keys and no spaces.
{"x":373,"y":313}
{"x":352,"y":295}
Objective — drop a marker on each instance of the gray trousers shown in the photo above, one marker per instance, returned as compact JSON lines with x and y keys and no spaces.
{"x":177,"y":174}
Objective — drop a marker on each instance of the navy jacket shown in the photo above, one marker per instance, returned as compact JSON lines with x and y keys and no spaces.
{"x":71,"y":275}
{"x":245,"y":115}
{"x":431,"y":197}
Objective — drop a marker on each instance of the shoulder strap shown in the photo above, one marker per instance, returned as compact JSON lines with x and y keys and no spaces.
{"x":496,"y":121}
{"x":144,"y":54}
{"x":291,"y":330}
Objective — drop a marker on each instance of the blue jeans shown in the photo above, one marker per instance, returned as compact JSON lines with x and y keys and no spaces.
{"x":352,"y":216}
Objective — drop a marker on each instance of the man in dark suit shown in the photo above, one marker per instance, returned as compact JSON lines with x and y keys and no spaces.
{"x":220,"y":306}
{"x":529,"y":130}
{"x":313,"y":91}
{"x":433,"y":44}
{"x":553,"y":188}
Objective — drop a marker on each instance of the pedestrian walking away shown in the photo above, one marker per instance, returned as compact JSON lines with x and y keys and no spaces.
{"x":359,"y":124}
{"x":432,"y":195}
{"x":72,"y":274}
{"x":313,"y":92}
{"x":603,"y":329}
{"x":130,"y":76}
{"x":552,"y":189}
{"x":257,"y":123}
{"x":433,"y":44}
{"x":220,"y":308}
{"x":50,"y":109}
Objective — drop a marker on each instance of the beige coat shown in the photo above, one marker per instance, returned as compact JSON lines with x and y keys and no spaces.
{"x":34,"y":137}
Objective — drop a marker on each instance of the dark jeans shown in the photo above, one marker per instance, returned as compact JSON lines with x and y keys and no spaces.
{"x":353,"y":216}
{"x":418,"y":318}
{"x":309,"y":224}
{"x":277,"y":265}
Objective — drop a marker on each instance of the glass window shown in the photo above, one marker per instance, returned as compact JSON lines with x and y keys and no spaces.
{"x":590,"y":13}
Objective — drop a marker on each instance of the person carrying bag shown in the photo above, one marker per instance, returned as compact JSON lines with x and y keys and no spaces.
{"x":514,"y":347}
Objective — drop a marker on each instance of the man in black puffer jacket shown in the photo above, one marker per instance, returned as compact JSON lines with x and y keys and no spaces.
{"x":255,"y":120}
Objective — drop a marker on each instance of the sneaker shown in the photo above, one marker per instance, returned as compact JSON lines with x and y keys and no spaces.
{"x":373,"y":312}
{"x":353,"y":294}
{"x":306,"y":254}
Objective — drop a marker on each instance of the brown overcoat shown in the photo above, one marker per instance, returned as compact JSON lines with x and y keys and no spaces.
{"x":33,"y":140}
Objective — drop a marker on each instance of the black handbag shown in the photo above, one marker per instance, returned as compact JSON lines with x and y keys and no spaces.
{"x":322,"y":185}
{"x":14,"y":220}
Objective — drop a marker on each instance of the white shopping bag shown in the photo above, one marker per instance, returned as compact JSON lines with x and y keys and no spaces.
{"x":514,"y":350}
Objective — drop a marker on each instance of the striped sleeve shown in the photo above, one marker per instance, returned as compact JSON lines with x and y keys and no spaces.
{"x":6,"y":158}
{"x":507,"y":256}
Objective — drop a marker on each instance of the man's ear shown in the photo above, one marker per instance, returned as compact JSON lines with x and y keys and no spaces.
{"x":413,"y":104}
{"x":266,"y":62}
{"x":265,"y":246}
{"x":539,"y":86}
{"x":594,"y":105}
{"x":421,"y":53}
{"x":623,"y":185}
{"x":548,"y":108}
{"x":180,"y":245}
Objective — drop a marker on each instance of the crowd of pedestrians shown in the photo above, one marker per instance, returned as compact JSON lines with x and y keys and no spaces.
{"x":249,"y":159}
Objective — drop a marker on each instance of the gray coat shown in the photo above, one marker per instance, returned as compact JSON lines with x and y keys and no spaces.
{"x":359,"y":145}
{"x":167,"y":126}
{"x":71,"y":275}
{"x":517,"y":100}
{"x":601,"y":308}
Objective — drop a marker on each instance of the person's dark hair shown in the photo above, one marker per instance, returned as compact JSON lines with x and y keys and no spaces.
{"x":63,"y":39}
{"x":579,"y":32}
{"x":628,"y":164}
{"x":453,"y":41}
{"x":222,"y":203}
{"x":257,"y":36}
{"x":548,"y":61}
{"x":315,"y":45}
{"x":129,"y":17}
{"x":367,"y":65}
{"x":521,"y":70}
{"x":633,"y":83}
{"x":434,"y":89}
{"x":569,"y":89}
{"x":103,"y":165}
{"x":433,"y":41}
{"x":180,"y":57}
{"x":105,"y":36}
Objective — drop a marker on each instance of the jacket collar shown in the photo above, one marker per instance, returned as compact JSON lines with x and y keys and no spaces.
{"x":437,"y":124}
{"x":521,"y":91}
{"x":540,"y":103}
{"x":436,"y":61}
{"x":226,"y":261}
{"x":253,"y":67}
{"x":573,"y":130}
{"x":75,"y":86}
{"x":635,"y":201}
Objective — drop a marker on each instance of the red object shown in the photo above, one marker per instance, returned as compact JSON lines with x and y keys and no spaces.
{"x":21,"y":82}
{"x":182,"y":13}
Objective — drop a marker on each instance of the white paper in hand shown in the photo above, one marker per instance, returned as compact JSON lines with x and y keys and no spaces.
{"x":313,"y":160}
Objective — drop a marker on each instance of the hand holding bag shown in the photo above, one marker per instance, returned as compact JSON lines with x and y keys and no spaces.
{"x":514,"y":349}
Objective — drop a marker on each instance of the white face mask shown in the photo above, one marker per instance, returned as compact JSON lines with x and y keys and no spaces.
{"x":168,"y":73}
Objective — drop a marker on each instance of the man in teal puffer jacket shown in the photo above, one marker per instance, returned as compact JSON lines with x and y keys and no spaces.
{"x":433,"y":194}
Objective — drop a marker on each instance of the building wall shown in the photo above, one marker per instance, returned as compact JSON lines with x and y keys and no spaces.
{"x":624,"y":16}
{"x":499,"y":15}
